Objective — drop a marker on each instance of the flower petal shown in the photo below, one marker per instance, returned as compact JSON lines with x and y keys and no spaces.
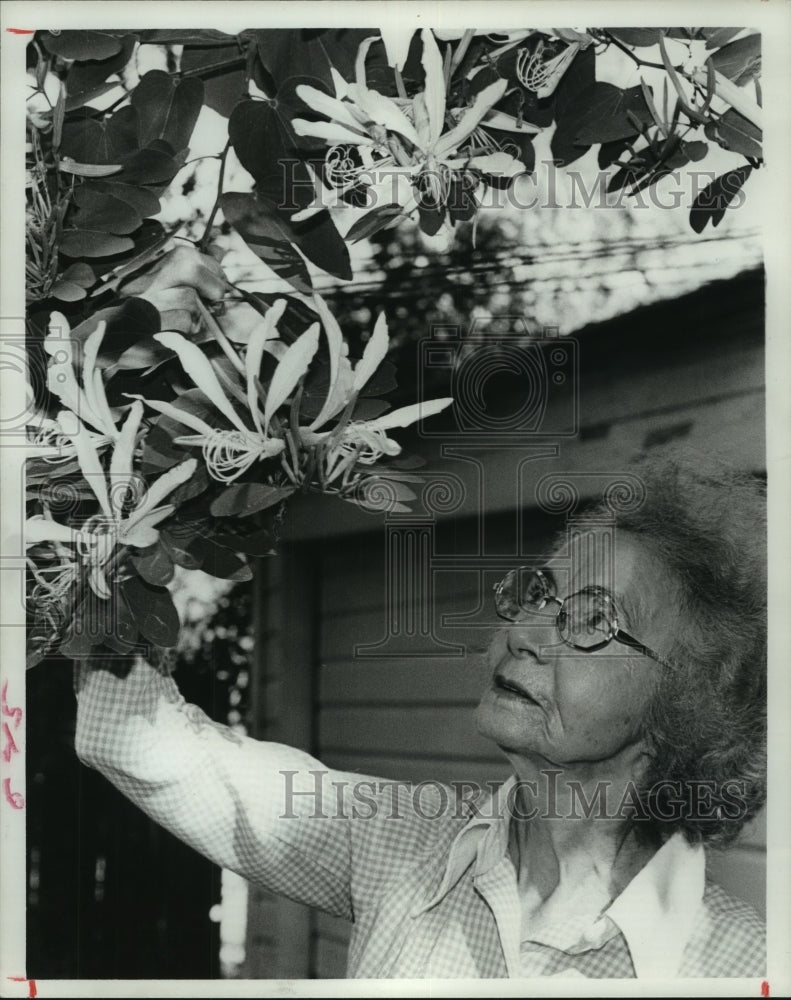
{"x":499,"y":164}
{"x":98,"y":400}
{"x":397,"y":41}
{"x":384,"y":111}
{"x":407,"y":415}
{"x":335,"y":344}
{"x":434,"y":93}
{"x":142,"y":532}
{"x":255,"y":352}
{"x":373,"y":355}
{"x":180,"y":416}
{"x":290,"y":370}
{"x":90,"y":465}
{"x":160,"y":488}
{"x":198,"y":367}
{"x":331,"y":107}
{"x":121,"y":476}
{"x":41,"y":529}
{"x":359,"y":63}
{"x":331,"y":132}
{"x":471,"y":118}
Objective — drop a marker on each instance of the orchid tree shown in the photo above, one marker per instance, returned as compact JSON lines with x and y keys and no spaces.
{"x":151,"y":450}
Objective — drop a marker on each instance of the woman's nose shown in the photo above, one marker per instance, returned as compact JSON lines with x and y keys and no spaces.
{"x":532,"y":636}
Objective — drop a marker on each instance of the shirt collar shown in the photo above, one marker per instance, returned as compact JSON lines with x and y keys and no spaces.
{"x":656,"y":912}
{"x":483,"y":840}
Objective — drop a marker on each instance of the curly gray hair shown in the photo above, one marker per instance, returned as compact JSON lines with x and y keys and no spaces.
{"x":706,"y":724}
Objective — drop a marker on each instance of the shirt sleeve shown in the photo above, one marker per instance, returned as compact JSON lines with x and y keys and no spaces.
{"x":260,"y":809}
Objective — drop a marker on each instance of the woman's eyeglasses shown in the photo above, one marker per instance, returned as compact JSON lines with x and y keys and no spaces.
{"x":586,"y":620}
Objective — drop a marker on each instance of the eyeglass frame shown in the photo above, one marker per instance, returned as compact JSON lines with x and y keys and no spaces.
{"x":615,"y":631}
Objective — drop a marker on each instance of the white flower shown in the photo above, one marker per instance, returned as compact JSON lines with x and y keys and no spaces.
{"x":123,"y":518}
{"x":85,"y":397}
{"x":228,"y":453}
{"x":418,"y":139}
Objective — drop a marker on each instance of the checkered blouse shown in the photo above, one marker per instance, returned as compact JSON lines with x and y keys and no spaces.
{"x":426,"y":880}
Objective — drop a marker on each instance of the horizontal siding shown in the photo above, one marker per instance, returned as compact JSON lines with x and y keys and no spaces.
{"x":447,"y":732}
{"x":416,"y":769}
{"x":343,"y":635}
{"x":404,"y":682}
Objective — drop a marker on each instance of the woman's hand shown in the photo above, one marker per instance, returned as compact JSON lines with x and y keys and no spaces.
{"x":184,"y":276}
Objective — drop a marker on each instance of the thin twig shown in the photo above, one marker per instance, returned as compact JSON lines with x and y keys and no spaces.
{"x":627,"y":51}
{"x":204,"y":243}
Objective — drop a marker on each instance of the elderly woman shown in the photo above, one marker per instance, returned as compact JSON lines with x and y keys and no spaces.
{"x":626,"y":686}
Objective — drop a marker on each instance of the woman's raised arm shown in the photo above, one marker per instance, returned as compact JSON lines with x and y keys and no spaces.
{"x":250,"y":806}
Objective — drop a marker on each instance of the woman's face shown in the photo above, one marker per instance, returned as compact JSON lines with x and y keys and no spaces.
{"x":566,"y":706}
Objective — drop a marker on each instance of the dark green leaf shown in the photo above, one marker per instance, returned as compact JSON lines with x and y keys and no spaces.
{"x":85,"y":97}
{"x":290,"y":106}
{"x":268,"y":235}
{"x":264,"y":140}
{"x":611,"y":151}
{"x":149,"y":166}
{"x":185,"y":36}
{"x":372,"y":222}
{"x":735,"y":132}
{"x":640,"y":37}
{"x":224,"y":86}
{"x":80,"y":274}
{"x":67,"y":291}
{"x":193,"y":487}
{"x":167,"y":109}
{"x":88,"y":243}
{"x":740,"y":61}
{"x":713,"y":200}
{"x":176,"y":546}
{"x":120,"y":628}
{"x":382,"y":381}
{"x":150,"y":243}
{"x":320,"y":241}
{"x":719,"y":36}
{"x":81,"y":44}
{"x":103,"y":212}
{"x":243,"y":499}
{"x":77,"y":645}
{"x":605,"y":110}
{"x":431,"y":218}
{"x":696,"y":150}
{"x":259,"y":543}
{"x":575,"y":82}
{"x":154,"y":565}
{"x":370,"y":409}
{"x":224,"y":564}
{"x":143,"y":201}
{"x":85,"y":80}
{"x":294,"y":51}
{"x":107,"y":142}
{"x":392,"y":487}
{"x":153,"y":612}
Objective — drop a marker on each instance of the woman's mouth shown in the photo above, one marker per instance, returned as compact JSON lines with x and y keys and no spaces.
{"x":504,"y":685}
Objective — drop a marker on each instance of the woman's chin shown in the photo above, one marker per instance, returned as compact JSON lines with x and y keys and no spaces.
{"x":494,"y":723}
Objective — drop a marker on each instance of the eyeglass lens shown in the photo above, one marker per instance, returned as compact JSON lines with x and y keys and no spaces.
{"x":585,"y":619}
